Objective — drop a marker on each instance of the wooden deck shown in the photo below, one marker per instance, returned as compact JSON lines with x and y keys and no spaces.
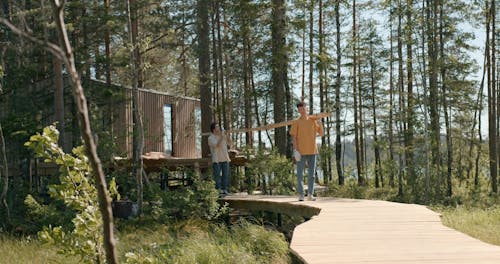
{"x":158,"y":161}
{"x":365,"y":231}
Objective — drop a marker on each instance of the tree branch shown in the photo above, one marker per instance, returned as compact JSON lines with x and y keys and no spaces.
{"x":51,"y":47}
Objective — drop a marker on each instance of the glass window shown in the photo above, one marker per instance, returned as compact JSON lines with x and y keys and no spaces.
{"x":197,"y":122}
{"x":167,"y":129}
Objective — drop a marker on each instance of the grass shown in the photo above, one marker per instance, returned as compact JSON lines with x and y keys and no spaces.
{"x":29,"y":251}
{"x":196,"y":241}
{"x":191,"y":241}
{"x":480,"y":223}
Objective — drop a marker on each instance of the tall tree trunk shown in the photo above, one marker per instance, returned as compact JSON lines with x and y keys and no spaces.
{"x":254,"y":94}
{"x":221,"y":78}
{"x":446,"y":110}
{"x":338,"y":143}
{"x":479,"y":145}
{"x":376,"y":147}
{"x":494,"y":177}
{"x":401,"y":153}
{"x":391,"y":100}
{"x":57,"y":71}
{"x":246,"y":79}
{"x":303,"y":79}
{"x":433,"y":92}
{"x":361,"y":120}
{"x":86,"y":44}
{"x":217,"y":92}
{"x":204,"y":71}
{"x":492,"y":100}
{"x":4,"y":165}
{"x":311,"y":56}
{"x":278,"y":72}
{"x":410,"y":115}
{"x":355,"y":96}
{"x":107,"y":45}
{"x":321,"y":64}
{"x":59,"y":100}
{"x":137,"y":82}
{"x":477,"y":116}
{"x":108,"y":64}
{"x":425,"y":108}
{"x":227,"y":87}
{"x":217,"y":102}
{"x":4,"y":169}
{"x":289,"y":114}
{"x":183,"y":58}
{"x":325,"y":160}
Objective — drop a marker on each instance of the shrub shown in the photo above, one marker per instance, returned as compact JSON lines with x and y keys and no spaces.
{"x":77,"y":190}
{"x":200,"y":200}
{"x":275,"y":170}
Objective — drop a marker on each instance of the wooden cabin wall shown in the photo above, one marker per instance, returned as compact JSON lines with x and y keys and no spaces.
{"x":152,"y":102}
{"x":185,"y":134}
{"x":152,"y":116}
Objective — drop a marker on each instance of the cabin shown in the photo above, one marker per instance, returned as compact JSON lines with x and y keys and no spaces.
{"x":172,"y":130}
{"x":172,"y":124}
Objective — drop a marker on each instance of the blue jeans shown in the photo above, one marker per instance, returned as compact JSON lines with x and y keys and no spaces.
{"x":224,"y":168}
{"x":311,"y":164}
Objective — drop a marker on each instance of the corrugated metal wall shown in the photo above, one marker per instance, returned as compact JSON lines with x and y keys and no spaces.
{"x":152,"y":102}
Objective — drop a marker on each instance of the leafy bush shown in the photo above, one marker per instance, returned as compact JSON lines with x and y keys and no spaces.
{"x":351,"y":189}
{"x":196,"y":201}
{"x":41,"y":215}
{"x":77,"y":190}
{"x":276,"y":171}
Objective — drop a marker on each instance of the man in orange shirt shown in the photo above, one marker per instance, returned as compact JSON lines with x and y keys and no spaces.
{"x":304,"y":132}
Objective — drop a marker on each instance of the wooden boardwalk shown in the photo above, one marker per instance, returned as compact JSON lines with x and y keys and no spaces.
{"x":366,"y":231}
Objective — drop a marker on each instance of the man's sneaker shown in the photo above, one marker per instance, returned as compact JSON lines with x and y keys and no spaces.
{"x":301,"y":198}
{"x":311,"y":198}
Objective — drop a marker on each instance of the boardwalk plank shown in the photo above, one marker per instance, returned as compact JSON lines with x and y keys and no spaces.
{"x":365,"y":231}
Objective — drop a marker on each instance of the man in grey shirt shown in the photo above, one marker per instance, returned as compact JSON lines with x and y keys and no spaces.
{"x":218,"y":142}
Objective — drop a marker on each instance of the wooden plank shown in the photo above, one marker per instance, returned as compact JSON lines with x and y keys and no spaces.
{"x":272,"y":126}
{"x":365,"y":231}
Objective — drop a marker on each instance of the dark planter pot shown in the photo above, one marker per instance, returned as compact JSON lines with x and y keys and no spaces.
{"x":124,"y":209}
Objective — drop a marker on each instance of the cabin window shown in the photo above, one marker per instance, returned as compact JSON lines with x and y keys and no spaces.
{"x":197,"y":122}
{"x":167,"y":129}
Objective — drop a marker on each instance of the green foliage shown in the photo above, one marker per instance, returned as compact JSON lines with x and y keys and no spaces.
{"x":41,"y":215}
{"x":77,"y":190}
{"x":351,"y":189}
{"x":196,"y":201}
{"x":200,"y":242}
{"x":276,"y":170}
